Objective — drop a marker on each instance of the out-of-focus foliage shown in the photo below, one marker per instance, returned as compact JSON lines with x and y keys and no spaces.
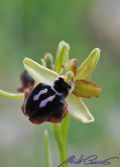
{"x":32,"y":28}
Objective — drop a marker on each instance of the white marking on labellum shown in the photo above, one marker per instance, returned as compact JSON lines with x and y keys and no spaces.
{"x":44,"y":102}
{"x":36,"y":97}
{"x":60,"y":94}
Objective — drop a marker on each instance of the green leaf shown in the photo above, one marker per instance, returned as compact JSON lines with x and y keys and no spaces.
{"x":78,"y":109}
{"x":38,"y":72}
{"x":48,"y":159}
{"x":17,"y":96}
{"x":62,"y":56}
{"x":88,"y":66}
{"x":86,"y":89}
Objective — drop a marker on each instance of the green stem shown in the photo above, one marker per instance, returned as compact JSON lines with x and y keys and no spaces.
{"x":60,"y":133}
{"x":47,"y":150}
{"x":63,"y":153}
{"x":64,"y":128}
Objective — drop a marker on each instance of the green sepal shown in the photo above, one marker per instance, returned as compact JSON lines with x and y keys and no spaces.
{"x":38,"y":72}
{"x":87,"y":68}
{"x":8,"y":95}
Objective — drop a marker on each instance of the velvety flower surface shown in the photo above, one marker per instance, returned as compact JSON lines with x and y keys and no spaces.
{"x":46,"y":103}
{"x":78,"y":77}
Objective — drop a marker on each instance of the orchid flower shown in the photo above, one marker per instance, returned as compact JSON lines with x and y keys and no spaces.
{"x":78,"y":77}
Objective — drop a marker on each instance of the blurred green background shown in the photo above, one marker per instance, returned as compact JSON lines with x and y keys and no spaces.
{"x":32,"y":28}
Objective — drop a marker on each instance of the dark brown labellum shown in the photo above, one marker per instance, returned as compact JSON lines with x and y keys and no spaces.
{"x":46,"y":103}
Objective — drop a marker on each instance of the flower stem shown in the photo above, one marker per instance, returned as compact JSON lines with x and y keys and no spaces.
{"x":47,"y":150}
{"x":60,"y":133}
{"x":63,"y":153}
